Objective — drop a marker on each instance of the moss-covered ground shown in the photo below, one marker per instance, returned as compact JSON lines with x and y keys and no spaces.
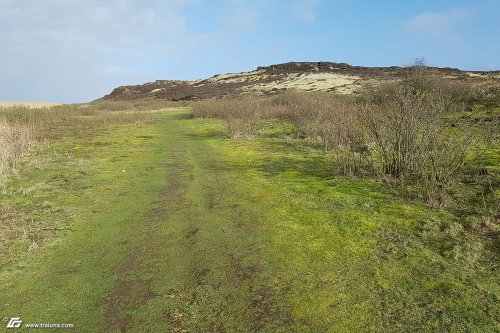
{"x":168,"y":226}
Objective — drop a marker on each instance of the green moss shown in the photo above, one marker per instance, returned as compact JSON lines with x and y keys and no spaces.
{"x":174,"y":227}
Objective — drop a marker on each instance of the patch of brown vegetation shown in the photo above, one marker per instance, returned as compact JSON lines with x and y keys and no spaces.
{"x":128,"y":295}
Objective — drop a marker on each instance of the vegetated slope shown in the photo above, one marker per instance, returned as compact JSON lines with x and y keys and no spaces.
{"x":309,"y":76}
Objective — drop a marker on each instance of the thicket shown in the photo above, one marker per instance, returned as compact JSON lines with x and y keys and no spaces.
{"x":415,"y":133}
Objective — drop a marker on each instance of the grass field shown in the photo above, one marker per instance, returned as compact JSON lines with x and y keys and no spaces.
{"x":160,"y":223}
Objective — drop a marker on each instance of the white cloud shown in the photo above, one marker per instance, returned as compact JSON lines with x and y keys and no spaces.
{"x":438,"y":25}
{"x":305,"y":10}
{"x":53,"y":48}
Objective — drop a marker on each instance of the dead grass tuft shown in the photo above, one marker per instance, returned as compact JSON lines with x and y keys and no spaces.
{"x":15,"y":141}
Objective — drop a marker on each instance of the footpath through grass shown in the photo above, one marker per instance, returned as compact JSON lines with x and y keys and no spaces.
{"x":174,"y":228}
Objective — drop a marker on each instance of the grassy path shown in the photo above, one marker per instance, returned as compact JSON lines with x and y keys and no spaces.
{"x":182,"y":230}
{"x":167,"y":253}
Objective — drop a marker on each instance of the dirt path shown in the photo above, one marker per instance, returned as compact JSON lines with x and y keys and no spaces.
{"x":188,"y":261}
{"x":193,"y":263}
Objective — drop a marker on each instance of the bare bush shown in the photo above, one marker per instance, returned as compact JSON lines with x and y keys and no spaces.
{"x":242,"y":114}
{"x":399,"y":131}
{"x":134,"y":105}
{"x":411,"y":141}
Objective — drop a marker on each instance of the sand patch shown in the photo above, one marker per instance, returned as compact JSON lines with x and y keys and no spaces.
{"x":313,"y":82}
{"x":241,"y":77}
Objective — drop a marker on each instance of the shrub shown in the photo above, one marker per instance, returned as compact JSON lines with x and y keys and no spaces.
{"x":406,"y":127}
{"x":241,"y":113}
{"x":399,"y":131}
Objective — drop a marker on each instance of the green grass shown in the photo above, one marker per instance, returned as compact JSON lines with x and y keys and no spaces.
{"x":173,"y":227}
{"x":75,"y":189}
{"x":363,"y":259}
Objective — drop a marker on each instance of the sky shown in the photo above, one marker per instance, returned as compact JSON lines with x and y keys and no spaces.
{"x":79,"y":50}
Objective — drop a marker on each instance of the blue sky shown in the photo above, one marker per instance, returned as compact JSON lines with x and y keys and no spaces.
{"x":79,"y":50}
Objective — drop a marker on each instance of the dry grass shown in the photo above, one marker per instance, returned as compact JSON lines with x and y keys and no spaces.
{"x":146,"y":104}
{"x":15,"y":141}
{"x":22,"y":126}
{"x":34,"y":105}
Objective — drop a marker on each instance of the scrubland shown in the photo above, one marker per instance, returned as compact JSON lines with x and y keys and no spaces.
{"x":423,"y":136}
{"x":293,"y":212}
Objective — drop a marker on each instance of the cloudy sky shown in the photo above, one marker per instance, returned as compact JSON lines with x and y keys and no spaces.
{"x":79,"y":50}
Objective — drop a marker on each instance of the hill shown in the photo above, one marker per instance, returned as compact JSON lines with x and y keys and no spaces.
{"x":309,"y":76}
